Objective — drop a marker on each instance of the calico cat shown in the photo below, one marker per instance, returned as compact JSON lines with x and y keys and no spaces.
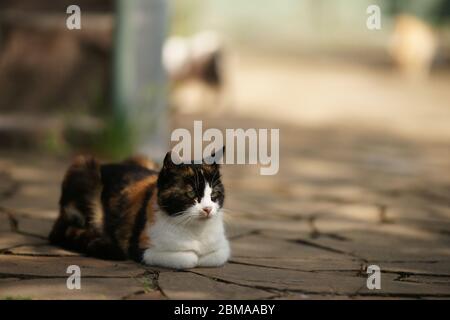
{"x":171,"y":218}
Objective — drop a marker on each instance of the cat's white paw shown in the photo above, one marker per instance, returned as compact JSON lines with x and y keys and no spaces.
{"x":173,"y":260}
{"x":216,"y":258}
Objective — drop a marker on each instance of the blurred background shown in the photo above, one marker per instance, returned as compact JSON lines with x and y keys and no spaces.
{"x":364,"y":119}
{"x":297,"y":62}
{"x":138,"y":69}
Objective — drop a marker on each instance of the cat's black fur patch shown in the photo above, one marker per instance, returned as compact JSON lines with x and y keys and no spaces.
{"x":175,"y":180}
{"x":115,"y":178}
{"x":135,"y":251}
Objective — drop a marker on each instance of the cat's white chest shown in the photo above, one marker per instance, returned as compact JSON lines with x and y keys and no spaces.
{"x":201,"y":237}
{"x":184,"y":246}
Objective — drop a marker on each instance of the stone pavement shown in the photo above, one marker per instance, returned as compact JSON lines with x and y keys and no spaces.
{"x":344,"y":198}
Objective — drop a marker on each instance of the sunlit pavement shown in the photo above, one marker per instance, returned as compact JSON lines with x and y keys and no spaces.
{"x":364,"y":179}
{"x":344,"y":198}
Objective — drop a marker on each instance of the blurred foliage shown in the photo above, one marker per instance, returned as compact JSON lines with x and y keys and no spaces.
{"x":55,"y":143}
{"x":184,"y":15}
{"x":116,"y":140}
{"x":298,"y":23}
{"x":434,"y":11}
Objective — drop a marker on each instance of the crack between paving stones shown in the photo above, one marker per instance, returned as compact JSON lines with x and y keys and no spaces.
{"x":361,"y":272}
{"x":250,"y":233}
{"x":4,"y":275}
{"x":406,"y":274}
{"x":326,"y":248}
{"x":410,"y":261}
{"x":356,"y":294}
{"x":277,"y":296}
{"x":46,"y":255}
{"x":400,"y":278}
{"x":423,"y":282}
{"x":154,"y":279}
{"x":15,"y":212}
{"x":401,"y":295}
{"x":136,"y":293}
{"x":316,"y":233}
{"x":288,"y":268}
{"x":247,"y":215}
{"x":311,"y":244}
{"x":14,"y":223}
{"x":404,"y":277}
{"x":263,"y":288}
{"x":317,"y":246}
{"x":23,"y":233}
{"x":5,"y":250}
{"x":259,"y":287}
{"x":12,"y":189}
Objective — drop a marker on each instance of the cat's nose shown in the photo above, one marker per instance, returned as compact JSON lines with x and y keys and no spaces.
{"x":207,"y":211}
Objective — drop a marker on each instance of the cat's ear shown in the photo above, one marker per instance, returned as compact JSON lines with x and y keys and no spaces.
{"x":215,"y":157}
{"x":171,"y":160}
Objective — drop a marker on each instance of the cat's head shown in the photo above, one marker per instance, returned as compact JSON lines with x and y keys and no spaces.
{"x":194,"y":190}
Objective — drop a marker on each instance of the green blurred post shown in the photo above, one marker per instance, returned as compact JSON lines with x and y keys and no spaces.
{"x":140,"y":117}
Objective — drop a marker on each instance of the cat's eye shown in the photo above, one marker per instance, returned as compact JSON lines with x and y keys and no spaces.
{"x":215,"y":194}
{"x":190,"y":194}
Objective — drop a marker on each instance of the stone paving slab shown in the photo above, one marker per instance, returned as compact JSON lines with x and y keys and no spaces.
{"x":395,"y":285}
{"x":189,"y":285}
{"x":343,"y":199}
{"x":38,"y":266}
{"x":12,"y":239}
{"x":307,"y":265}
{"x":432,"y":267}
{"x":285,"y":280}
{"x":91,"y":288}
{"x":43,"y":249}
{"x":5,"y":224}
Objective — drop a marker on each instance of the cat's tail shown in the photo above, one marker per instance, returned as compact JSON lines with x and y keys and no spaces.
{"x":80,"y":211}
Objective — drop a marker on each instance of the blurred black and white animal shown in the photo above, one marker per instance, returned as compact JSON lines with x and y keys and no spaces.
{"x":197,"y":57}
{"x":194,"y":66}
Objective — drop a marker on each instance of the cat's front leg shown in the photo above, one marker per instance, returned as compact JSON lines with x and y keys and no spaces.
{"x":215,"y":258}
{"x":171,"y":259}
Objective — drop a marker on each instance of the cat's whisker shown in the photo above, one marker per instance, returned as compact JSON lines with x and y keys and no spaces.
{"x":183,"y":220}
{"x":188,"y":220}
{"x":180,"y":216}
